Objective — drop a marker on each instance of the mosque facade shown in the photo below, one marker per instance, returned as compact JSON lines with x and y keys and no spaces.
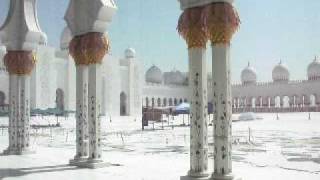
{"x":53,"y":81}
{"x":126,"y":89}
{"x":280,"y":95}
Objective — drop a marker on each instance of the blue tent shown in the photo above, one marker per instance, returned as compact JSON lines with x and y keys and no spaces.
{"x":183,"y":108}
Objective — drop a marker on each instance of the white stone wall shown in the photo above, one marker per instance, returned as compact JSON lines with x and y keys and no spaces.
{"x":111,"y":75}
{"x":164,"y":92}
{"x":272,"y":90}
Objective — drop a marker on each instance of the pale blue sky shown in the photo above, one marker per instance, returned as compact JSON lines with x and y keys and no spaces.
{"x":271,"y":30}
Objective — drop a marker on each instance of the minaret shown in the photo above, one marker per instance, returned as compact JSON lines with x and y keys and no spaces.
{"x":88,"y":21}
{"x":21,"y":35}
{"x":192,"y":29}
{"x":222,"y":22}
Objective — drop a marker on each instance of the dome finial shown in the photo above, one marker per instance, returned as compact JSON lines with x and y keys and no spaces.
{"x":315,"y":58}
{"x":248,"y":63}
{"x":280,"y":62}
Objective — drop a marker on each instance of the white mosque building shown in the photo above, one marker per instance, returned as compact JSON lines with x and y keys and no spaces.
{"x":53,"y":81}
{"x":126,"y":89}
{"x":279,"y":95}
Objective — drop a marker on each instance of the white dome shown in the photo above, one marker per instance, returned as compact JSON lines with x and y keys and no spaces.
{"x":154,"y":75}
{"x":314,"y":70}
{"x":248,"y":75}
{"x":280,"y":73}
{"x":65,"y":38}
{"x":177,"y":78}
{"x":130,"y":53}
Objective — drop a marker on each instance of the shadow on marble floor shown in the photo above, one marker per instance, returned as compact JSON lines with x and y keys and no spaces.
{"x":19,"y":172}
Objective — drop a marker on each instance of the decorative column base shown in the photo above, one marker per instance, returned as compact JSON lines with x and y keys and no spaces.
{"x":78,"y":160}
{"x":88,"y":163}
{"x":198,"y":177}
{"x":224,"y":177}
{"x":194,"y":178}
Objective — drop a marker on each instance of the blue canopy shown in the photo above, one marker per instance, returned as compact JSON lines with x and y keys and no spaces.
{"x":183,"y":108}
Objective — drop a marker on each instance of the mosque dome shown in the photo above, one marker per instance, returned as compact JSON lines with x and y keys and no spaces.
{"x":65,"y":38}
{"x":314,"y":70}
{"x":280,"y":73}
{"x":130,"y":53}
{"x":248,"y":75}
{"x":177,"y":78}
{"x":154,"y":75}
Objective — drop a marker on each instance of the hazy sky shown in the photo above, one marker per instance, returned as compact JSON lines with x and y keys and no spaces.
{"x":271,"y":30}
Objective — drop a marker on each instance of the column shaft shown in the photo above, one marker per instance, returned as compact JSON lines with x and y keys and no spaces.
{"x":199,"y":111}
{"x":24,"y":113}
{"x":82,"y":112}
{"x":94,"y":111}
{"x":223,"y":110}
{"x":14,"y":112}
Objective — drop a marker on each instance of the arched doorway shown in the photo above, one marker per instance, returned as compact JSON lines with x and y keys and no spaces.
{"x":277,"y":102}
{"x":59,"y":99}
{"x":164,"y":102}
{"x":2,"y":98}
{"x":286,"y":101}
{"x":175,"y":101}
{"x":253,"y":102}
{"x":170,"y":102}
{"x":123,"y":104}
{"x":147,"y":102}
{"x":312,"y":100}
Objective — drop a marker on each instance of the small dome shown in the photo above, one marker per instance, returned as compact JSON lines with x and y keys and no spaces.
{"x":130,"y":53}
{"x":249,"y":75}
{"x":65,"y":38}
{"x":154,"y":75}
{"x":175,"y":77}
{"x":314,"y":70}
{"x":280,"y":73}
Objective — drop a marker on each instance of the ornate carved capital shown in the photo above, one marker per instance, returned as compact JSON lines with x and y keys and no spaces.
{"x":191,"y":27}
{"x":20,"y":62}
{"x":89,"y":48}
{"x":222,"y":21}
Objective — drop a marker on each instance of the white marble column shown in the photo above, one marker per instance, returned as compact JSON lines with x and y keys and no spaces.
{"x":223,"y":111}
{"x":192,"y":29}
{"x":88,"y":51}
{"x":94,"y":102}
{"x":19,"y":65}
{"x":82,"y":142}
{"x":198,"y":113}
{"x":220,"y":32}
{"x":21,"y":36}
